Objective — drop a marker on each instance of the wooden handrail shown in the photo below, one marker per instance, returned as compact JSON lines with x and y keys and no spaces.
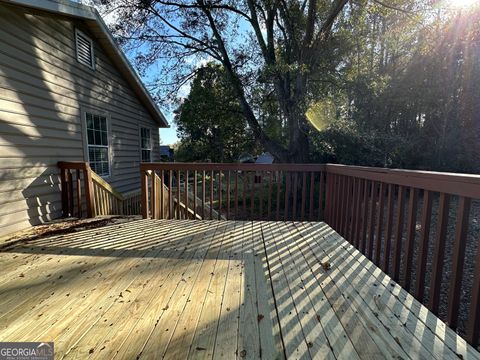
{"x":80,"y":165}
{"x":98,"y":179}
{"x":230,"y":167}
{"x":467,"y":185}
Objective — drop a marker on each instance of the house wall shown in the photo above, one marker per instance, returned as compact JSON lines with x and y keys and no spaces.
{"x":43,"y":90}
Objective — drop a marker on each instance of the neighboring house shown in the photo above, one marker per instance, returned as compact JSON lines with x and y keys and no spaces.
{"x":265,"y":158}
{"x":166,"y":153}
{"x":67,"y":93}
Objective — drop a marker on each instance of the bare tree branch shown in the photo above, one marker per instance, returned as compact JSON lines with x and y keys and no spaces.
{"x":276,"y":149}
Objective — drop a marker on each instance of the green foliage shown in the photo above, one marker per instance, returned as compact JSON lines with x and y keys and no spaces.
{"x":209,"y":121}
{"x":411,"y":91}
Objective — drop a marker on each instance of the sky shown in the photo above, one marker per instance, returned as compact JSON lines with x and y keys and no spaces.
{"x":168,"y":136}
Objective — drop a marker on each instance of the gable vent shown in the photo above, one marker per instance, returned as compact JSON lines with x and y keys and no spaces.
{"x":84,"y":47}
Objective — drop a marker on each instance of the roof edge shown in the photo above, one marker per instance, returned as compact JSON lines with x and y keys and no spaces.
{"x":85,"y":12}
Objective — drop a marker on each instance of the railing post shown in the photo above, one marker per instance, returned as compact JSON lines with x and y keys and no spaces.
{"x":323,"y":192}
{"x":88,"y":183}
{"x":63,"y":178}
{"x":154,"y":195}
{"x":70,"y":193}
{"x":79,"y":194}
{"x":458,"y":257}
{"x":162,"y":194}
{"x":144,"y":185}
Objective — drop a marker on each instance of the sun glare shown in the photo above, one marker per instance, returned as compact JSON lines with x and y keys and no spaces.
{"x":463,"y":3}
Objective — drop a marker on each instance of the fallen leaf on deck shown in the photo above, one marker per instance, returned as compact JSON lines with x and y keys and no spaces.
{"x":22,"y":275}
{"x":200,"y":348}
{"x":310,"y":344}
{"x":91,"y":351}
{"x":326,"y":265}
{"x":260,"y":317}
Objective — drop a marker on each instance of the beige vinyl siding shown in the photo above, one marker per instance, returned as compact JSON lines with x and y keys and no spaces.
{"x":43,"y":90}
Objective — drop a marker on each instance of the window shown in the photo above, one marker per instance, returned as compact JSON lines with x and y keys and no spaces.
{"x":146,"y":144}
{"x":97,"y":142}
{"x":84,"y":45}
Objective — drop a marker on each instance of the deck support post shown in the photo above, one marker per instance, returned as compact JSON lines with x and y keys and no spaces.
{"x":144,"y":185}
{"x":87,"y":171}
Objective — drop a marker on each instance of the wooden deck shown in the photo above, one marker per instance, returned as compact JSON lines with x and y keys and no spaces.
{"x":213,"y":289}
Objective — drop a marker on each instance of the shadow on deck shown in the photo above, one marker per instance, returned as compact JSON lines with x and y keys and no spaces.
{"x":213,"y":289}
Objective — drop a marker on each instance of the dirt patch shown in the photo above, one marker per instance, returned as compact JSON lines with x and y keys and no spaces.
{"x":63,"y":226}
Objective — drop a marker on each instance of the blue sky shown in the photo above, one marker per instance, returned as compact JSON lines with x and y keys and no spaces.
{"x":168,"y":136}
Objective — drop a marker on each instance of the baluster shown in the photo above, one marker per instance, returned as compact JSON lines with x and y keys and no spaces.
{"x":423,"y":248}
{"x":458,"y":260}
{"x":412,"y":221}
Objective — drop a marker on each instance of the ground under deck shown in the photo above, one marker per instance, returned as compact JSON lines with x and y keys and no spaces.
{"x":211,"y":289}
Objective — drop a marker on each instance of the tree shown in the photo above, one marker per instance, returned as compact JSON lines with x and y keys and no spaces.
{"x":412,"y":85}
{"x":389,"y":83}
{"x":210,"y":122}
{"x":266,"y":46}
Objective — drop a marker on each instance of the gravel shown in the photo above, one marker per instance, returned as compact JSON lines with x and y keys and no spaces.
{"x":473,"y":237}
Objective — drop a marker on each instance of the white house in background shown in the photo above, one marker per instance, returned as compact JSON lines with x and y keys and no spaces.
{"x":67,"y":93}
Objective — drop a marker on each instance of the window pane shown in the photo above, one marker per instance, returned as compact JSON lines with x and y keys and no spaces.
{"x":145,"y":138}
{"x":90,"y":137}
{"x":146,"y":155}
{"x":103,"y":154}
{"x":98,"y":138}
{"x":104,"y":138}
{"x":104,"y":167}
{"x":96,"y":122}
{"x":98,"y":159}
{"x":103,"y":123}
{"x":89,"y":121}
{"x":91,"y":154}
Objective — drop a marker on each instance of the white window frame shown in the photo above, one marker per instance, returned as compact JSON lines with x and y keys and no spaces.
{"x":151,"y":143}
{"x":92,"y":48}
{"x":94,"y":111}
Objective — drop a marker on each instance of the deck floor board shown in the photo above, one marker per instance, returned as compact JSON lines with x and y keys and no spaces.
{"x":174,"y":289}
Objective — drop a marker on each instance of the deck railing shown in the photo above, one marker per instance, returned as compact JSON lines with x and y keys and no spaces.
{"x":234,"y":191}
{"x":86,"y":194}
{"x":377,"y":210}
{"x":72,"y":174}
